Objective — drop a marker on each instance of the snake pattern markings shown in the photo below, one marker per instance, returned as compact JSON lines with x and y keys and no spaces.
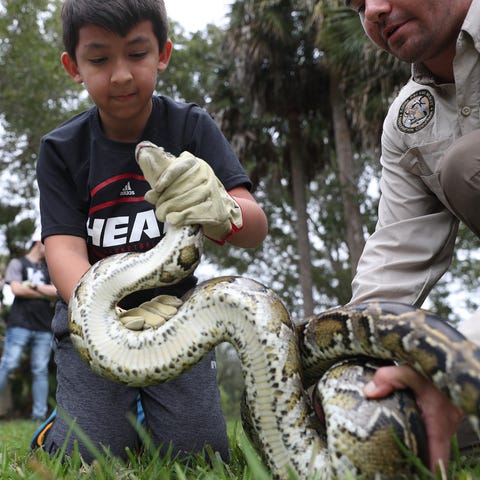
{"x":280,"y":362}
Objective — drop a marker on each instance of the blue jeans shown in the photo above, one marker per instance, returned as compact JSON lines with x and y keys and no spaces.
{"x":16,"y":340}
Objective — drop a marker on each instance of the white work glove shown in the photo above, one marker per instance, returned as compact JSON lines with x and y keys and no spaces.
{"x":151,"y":314}
{"x":185,"y":191}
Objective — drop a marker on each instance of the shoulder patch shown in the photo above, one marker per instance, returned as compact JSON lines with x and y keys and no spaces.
{"x":416,"y":111}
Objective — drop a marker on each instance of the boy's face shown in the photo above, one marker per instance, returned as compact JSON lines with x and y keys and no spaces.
{"x":120,"y":74}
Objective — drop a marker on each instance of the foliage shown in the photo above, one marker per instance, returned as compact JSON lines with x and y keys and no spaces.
{"x":17,"y":462}
{"x":194,"y":66}
{"x":17,"y":233}
{"x":35,"y":96}
{"x":458,"y":290}
{"x":277,"y":114}
{"x":33,"y":85}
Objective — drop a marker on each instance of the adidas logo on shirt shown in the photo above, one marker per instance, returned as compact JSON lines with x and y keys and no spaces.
{"x":127,"y":191}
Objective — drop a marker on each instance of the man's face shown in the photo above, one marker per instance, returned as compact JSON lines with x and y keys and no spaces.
{"x":412,"y":30}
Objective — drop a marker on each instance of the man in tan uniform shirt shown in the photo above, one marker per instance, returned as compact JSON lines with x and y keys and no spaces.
{"x":430,"y":172}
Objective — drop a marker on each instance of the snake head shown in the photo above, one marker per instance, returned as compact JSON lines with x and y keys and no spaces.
{"x":153,"y":160}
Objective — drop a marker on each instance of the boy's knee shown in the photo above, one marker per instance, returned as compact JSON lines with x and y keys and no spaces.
{"x":194,"y":437}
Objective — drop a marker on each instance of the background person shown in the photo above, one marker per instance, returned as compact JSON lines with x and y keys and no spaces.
{"x":29,"y":323}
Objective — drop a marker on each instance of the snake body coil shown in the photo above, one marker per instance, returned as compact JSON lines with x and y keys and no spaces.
{"x":279,"y":362}
{"x":253,"y":319}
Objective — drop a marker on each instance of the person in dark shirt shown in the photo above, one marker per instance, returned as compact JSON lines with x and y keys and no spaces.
{"x":29,"y":323}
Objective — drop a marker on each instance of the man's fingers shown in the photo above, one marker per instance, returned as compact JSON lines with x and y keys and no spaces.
{"x":440,"y":415}
{"x":388,"y":379}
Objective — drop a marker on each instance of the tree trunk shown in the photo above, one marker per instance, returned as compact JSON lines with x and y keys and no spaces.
{"x":300,"y":204}
{"x":346,"y":174}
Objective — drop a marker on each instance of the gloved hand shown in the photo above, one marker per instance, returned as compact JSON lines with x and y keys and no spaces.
{"x":185,"y":191}
{"x":151,"y":314}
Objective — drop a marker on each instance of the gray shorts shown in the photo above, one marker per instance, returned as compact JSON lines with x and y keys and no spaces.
{"x":184,"y":412}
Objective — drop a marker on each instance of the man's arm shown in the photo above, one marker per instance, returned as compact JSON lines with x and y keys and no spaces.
{"x":28,"y":290}
{"x":46,"y":290}
{"x":409,"y":251}
{"x":414,"y":238}
{"x":14,"y":278}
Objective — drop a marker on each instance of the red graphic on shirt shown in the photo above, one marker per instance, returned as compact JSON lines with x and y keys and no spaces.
{"x":120,"y":220}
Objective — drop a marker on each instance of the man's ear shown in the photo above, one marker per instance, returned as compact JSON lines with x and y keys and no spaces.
{"x":164,"y":56}
{"x":71,"y":67}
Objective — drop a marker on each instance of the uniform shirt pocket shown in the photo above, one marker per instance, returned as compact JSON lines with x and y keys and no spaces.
{"x":426,"y":161}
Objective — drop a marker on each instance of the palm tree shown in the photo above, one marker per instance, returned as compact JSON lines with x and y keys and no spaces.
{"x":361,"y":80}
{"x":278,"y":71}
{"x":368,"y":76}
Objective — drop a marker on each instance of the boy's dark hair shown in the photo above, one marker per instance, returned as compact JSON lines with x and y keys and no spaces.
{"x":118,"y":16}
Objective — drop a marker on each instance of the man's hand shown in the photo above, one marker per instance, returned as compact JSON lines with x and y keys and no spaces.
{"x":440,"y":415}
{"x":185,"y":191}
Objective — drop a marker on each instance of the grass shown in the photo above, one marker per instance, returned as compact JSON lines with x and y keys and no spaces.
{"x":18,"y":462}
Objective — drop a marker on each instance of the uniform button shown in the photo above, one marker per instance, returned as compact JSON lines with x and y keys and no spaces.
{"x":466,"y":111}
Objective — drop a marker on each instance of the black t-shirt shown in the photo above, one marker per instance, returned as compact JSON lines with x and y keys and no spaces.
{"x":92,"y":187}
{"x":31,"y":313}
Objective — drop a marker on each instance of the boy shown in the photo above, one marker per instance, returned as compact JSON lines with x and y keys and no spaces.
{"x":92,"y":205}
